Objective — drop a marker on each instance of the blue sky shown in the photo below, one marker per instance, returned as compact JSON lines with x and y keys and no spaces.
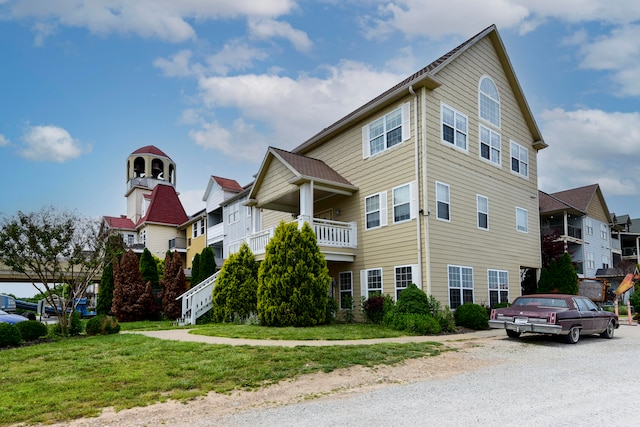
{"x":213,"y":83}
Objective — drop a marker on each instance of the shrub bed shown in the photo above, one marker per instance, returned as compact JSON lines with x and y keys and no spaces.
{"x":472,"y":316}
{"x":9,"y":335}
{"x":31,"y":330}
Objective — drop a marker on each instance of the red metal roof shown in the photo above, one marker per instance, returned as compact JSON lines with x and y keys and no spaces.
{"x":165,"y":207}
{"x":120,"y":223}
{"x":151,"y":149}
{"x":227,"y":184}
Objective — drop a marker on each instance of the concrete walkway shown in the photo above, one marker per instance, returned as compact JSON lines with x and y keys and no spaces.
{"x":187,"y":335}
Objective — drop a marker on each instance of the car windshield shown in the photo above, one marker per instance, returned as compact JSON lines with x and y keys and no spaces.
{"x":542,"y":302}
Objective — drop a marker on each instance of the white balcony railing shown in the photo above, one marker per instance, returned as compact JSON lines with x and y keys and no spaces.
{"x":328,"y":233}
{"x":197,"y":300}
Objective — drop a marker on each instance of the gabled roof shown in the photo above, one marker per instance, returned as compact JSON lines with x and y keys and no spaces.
{"x":165,"y":207}
{"x":119,"y":223}
{"x":305,"y":169}
{"x":576,"y":199}
{"x":427,"y":77}
{"x":151,"y":149}
{"x":226,"y":184}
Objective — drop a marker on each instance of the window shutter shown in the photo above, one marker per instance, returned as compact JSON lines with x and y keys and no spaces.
{"x":406,"y":121}
{"x":416,"y":275}
{"x":413,"y":207}
{"x":363,"y":283}
{"x":366,"y":148}
{"x":383,"y":209}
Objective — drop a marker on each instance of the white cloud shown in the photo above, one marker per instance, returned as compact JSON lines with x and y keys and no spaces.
{"x":178,"y":66}
{"x":589,"y":147}
{"x":161,"y":19}
{"x":235,"y":55}
{"x":267,"y":102}
{"x":3,"y":140}
{"x":50,"y":143}
{"x":192,"y":201}
{"x":265,"y":28}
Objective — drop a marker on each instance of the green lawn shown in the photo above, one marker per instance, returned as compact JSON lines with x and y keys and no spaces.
{"x":77,"y":377}
{"x":324,"y":332}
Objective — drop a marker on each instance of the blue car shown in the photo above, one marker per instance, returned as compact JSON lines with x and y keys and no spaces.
{"x":11,"y":318}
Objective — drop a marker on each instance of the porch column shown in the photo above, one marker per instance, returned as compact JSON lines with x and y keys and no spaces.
{"x":306,"y":202}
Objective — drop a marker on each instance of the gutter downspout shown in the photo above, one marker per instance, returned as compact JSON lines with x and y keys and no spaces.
{"x":417,"y":169}
{"x":425,"y":189}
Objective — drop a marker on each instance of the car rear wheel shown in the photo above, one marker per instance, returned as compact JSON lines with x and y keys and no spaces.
{"x":513,"y":334}
{"x":608,"y":333}
{"x":574,"y":335}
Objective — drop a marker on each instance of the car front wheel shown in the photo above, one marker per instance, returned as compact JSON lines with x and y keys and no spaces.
{"x":608,"y":333}
{"x":574,"y":335}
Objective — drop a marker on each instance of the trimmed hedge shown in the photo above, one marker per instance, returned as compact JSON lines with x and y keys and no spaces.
{"x":31,"y":330}
{"x":102,"y":325}
{"x":9,"y":335}
{"x":472,"y":316}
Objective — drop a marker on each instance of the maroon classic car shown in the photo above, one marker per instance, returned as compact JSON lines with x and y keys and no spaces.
{"x":557,"y":314}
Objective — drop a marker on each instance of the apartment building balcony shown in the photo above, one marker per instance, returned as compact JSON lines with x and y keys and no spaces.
{"x":573,"y":233}
{"x":337,"y":240}
{"x":178,"y":244}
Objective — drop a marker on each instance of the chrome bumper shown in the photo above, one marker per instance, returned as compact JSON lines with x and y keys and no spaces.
{"x":539,"y":328}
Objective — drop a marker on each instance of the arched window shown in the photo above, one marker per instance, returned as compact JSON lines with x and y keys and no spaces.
{"x":489,"y":101}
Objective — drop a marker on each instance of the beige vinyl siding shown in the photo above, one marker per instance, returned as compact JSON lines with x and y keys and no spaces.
{"x":460,"y":242}
{"x":195,"y":247}
{"x":158,"y":237}
{"x":390,"y":245}
{"x":274,"y":183}
{"x":596,"y":210}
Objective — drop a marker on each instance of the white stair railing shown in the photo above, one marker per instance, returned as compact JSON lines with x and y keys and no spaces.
{"x":197,"y":300}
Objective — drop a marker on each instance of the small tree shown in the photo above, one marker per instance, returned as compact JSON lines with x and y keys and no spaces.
{"x":207,"y":263}
{"x":236,"y":289}
{"x":149,"y":269}
{"x":173,"y":285}
{"x":195,"y":270}
{"x":129,"y":290}
{"x":560,"y":277}
{"x":53,"y":247}
{"x":105,"y":295}
{"x":293,"y":279}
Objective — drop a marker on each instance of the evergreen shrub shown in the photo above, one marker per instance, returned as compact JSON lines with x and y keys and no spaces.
{"x":413,"y":300}
{"x":102,"y":325}
{"x":472,"y":316}
{"x":31,"y":330}
{"x":9,"y":335}
{"x":236,"y":289}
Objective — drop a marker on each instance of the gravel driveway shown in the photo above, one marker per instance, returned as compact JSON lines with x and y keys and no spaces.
{"x":533,"y":381}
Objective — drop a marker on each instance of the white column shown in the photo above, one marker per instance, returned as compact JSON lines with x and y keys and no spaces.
{"x":306,"y":202}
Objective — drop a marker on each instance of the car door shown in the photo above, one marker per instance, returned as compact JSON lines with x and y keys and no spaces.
{"x":600,"y":318}
{"x":586,"y":315}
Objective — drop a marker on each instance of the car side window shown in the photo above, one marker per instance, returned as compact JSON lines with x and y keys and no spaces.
{"x":582,"y":306}
{"x":590,"y":305}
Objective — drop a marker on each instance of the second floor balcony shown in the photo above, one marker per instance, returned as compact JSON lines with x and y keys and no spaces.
{"x":338,"y":241}
{"x":573,"y":233}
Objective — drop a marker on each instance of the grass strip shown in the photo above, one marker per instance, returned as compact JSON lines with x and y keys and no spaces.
{"x":78,"y":377}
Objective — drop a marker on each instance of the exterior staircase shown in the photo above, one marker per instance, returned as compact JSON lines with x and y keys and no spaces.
{"x":197,"y":300}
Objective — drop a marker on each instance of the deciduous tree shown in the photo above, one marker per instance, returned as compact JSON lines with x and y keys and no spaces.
{"x":173,"y":285}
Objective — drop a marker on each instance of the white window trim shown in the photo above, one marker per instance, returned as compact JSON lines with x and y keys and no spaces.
{"x":604,"y":232}
{"x":588,"y":225}
{"x":466,"y":132}
{"x":340,"y":291}
{"x":382,"y":209}
{"x":460,"y":267}
{"x":414,"y":277}
{"x":520,"y":146}
{"x":364,"y":282}
{"x":405,"y":111}
{"x":480,"y":93}
{"x":489,"y":289}
{"x":478,"y":211}
{"x":497,"y":164}
{"x":413,"y":202}
{"x":449,"y":202}
{"x":526,"y":213}
{"x":590,"y":260}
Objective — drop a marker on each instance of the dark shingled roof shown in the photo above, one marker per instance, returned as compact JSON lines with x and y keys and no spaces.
{"x":308,"y":167}
{"x":576,"y":198}
{"x":227,"y":184}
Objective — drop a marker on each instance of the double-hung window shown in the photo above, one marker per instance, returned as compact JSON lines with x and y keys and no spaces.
{"x":519,"y":159}
{"x":588,"y":226}
{"x":604,"y":232}
{"x":233,"y":214}
{"x":346,"y":290}
{"x":386,"y":132}
{"x":443,"y":201}
{"x":404,"y":276}
{"x":490,"y":145}
{"x":498,"y":287}
{"x":371,"y":282}
{"x":454,"y":127}
{"x":482,"y":203}
{"x":405,"y":202}
{"x":460,"y":285}
{"x":522,"y":220}
{"x":376,"y":210}
{"x":591,"y":262}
